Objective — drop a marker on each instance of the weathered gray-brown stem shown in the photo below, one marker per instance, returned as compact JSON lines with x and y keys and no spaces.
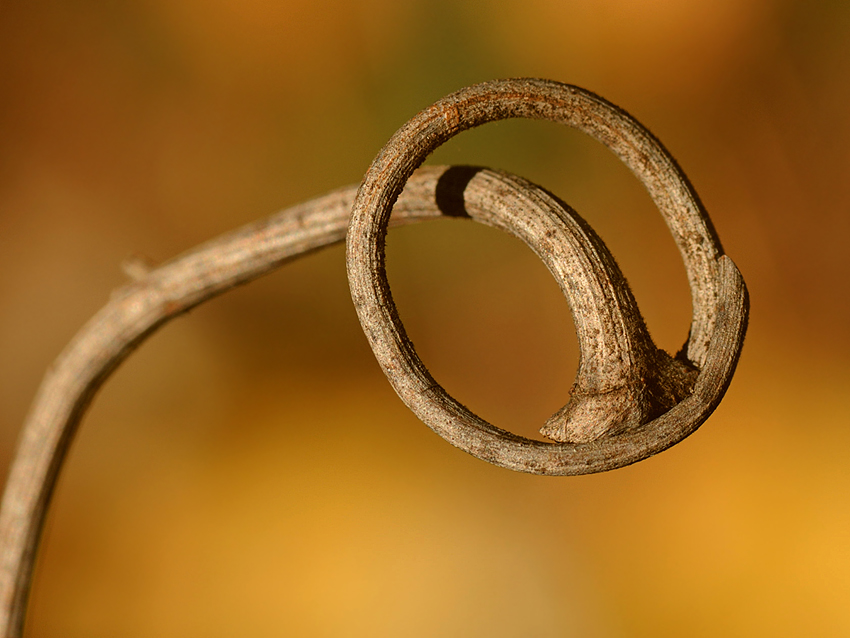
{"x":630,"y":399}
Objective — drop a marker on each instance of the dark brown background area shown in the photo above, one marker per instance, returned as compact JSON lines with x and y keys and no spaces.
{"x":249,"y":471}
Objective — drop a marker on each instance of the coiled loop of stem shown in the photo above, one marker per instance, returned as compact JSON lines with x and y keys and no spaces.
{"x":630,"y":400}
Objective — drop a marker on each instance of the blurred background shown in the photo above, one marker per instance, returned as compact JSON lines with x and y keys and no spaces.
{"x":250,"y":471}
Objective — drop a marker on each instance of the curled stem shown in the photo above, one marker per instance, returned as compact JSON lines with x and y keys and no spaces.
{"x":630,"y":399}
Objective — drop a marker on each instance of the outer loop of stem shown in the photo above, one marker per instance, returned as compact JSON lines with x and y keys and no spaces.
{"x":720,"y":303}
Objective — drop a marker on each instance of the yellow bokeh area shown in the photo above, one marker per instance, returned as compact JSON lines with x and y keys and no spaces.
{"x":249,"y":471}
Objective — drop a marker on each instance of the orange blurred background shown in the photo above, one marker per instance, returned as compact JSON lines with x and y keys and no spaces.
{"x":250,"y":471}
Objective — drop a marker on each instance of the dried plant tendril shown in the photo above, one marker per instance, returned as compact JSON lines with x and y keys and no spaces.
{"x":657,"y":400}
